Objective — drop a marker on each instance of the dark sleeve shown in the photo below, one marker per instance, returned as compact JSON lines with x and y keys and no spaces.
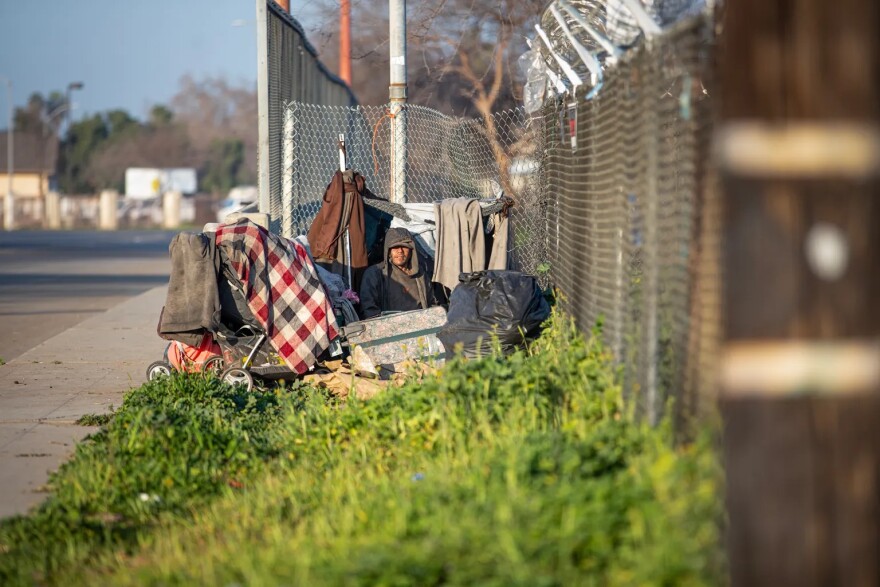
{"x":441,"y":298}
{"x":371,"y":292}
{"x":436,"y":291}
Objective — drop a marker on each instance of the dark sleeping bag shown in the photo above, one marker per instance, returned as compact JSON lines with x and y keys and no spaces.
{"x":507,"y":305}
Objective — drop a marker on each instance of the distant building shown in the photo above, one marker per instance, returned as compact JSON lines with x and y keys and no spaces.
{"x":34,"y":167}
{"x":145,"y":183}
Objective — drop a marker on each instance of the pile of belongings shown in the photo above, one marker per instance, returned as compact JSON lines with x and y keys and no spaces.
{"x":301,"y":295}
{"x":244,"y":275}
{"x":504,"y":308}
{"x":460,"y":235}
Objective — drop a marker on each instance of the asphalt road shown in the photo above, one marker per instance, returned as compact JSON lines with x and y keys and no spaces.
{"x":53,"y":280}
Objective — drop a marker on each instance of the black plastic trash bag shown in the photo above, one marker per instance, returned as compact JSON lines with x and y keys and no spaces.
{"x":507,"y":305}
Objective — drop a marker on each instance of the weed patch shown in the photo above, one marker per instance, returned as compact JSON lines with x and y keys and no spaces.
{"x":94,"y":420}
{"x":173,"y":445}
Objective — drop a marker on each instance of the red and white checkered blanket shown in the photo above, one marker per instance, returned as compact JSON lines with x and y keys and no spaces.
{"x":283,"y":291}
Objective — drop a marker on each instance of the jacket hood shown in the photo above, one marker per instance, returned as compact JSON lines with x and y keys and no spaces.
{"x":419,"y":264}
{"x":401,"y":237}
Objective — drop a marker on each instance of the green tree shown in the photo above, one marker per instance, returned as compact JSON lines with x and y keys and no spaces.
{"x":223,"y":168}
{"x":98,"y":149}
{"x":209,"y":125}
{"x":121,"y":124}
{"x":41,"y":115}
{"x":160,"y":116}
{"x":161,"y":142}
{"x":83,"y":138}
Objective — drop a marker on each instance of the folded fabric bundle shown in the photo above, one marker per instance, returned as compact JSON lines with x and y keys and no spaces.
{"x":283,"y":291}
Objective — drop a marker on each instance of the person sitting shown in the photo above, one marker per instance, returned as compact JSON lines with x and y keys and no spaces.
{"x":402,"y":281}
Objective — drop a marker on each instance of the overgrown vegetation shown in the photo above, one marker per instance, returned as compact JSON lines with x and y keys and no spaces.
{"x":524,"y":470}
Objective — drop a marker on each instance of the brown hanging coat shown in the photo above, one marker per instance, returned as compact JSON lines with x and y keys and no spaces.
{"x":342,"y":206}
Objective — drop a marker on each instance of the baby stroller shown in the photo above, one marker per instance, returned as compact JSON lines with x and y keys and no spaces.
{"x":237,"y":346}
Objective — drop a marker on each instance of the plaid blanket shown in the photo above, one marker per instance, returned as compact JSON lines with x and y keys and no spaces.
{"x":283,"y":291}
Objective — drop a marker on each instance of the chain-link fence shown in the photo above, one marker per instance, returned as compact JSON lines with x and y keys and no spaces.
{"x":289,"y":69}
{"x":447,"y":157}
{"x":636,"y":246}
{"x":613,"y":193}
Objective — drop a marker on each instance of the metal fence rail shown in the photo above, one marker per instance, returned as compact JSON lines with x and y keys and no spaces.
{"x":288,"y":70}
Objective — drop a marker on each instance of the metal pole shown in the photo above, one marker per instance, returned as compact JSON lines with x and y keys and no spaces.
{"x":67,"y":165}
{"x":346,"y":235}
{"x":9,"y":201}
{"x":652,"y":270}
{"x":345,"y":41}
{"x":287,"y":174}
{"x":70,"y":87}
{"x":263,"y":106}
{"x":397,"y":98}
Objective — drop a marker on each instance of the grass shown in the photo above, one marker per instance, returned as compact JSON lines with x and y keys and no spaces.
{"x":523,"y":470}
{"x":94,"y":420}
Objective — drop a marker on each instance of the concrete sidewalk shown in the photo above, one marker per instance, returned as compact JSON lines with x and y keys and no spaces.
{"x":84,"y":370}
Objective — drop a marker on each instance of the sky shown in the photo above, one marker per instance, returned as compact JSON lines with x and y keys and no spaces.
{"x":129,"y":54}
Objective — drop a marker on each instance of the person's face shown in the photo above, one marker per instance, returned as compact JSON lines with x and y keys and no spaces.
{"x":400,"y":256}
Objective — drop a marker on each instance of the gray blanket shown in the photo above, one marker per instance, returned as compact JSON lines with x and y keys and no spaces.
{"x":461,"y":242}
{"x":500,"y":229}
{"x":192,"y":306}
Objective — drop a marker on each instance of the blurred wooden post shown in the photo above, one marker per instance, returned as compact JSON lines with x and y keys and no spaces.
{"x":171,"y":209}
{"x":107,"y":210}
{"x":53,"y":211}
{"x":799,"y":152}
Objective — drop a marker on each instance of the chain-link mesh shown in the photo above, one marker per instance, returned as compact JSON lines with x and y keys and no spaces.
{"x":294,"y":73}
{"x":635,"y":205}
{"x":447,"y":157}
{"x":613,"y":192}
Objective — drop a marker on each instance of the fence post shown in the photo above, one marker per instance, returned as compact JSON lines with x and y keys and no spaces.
{"x":107,"y":210}
{"x":171,"y":209}
{"x":653,"y":401}
{"x":53,"y":211}
{"x":287,"y":173}
{"x":397,"y":96}
{"x":263,"y":182}
{"x":799,"y":153}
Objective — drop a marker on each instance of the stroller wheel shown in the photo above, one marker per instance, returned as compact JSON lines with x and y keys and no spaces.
{"x":214,"y":365}
{"x":238,"y":376}
{"x":158,"y":369}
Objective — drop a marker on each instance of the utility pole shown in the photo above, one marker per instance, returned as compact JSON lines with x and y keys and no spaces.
{"x":397,"y":98}
{"x":345,"y":41}
{"x":799,"y":156}
{"x":9,"y":200}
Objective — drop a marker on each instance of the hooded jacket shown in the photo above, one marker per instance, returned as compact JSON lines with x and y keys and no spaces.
{"x":385,"y":287}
